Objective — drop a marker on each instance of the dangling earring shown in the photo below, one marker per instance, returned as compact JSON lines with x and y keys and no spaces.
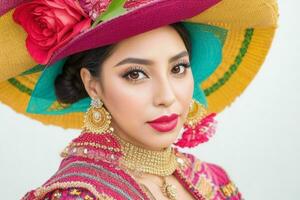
{"x":198,"y":127}
{"x":97,"y":119}
{"x":96,"y":128}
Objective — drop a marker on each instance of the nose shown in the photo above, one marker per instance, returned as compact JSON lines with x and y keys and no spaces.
{"x":164,"y":93}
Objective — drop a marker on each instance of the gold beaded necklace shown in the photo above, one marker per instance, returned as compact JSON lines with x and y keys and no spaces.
{"x":140,"y":160}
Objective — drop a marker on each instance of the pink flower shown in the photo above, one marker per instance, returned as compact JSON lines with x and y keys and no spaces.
{"x":50,"y":24}
{"x":201,"y":133}
{"x":96,"y":7}
{"x":133,"y":4}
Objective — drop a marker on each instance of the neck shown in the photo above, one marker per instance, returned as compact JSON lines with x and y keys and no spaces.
{"x":159,"y":162}
{"x":118,"y":132}
{"x":123,"y":153}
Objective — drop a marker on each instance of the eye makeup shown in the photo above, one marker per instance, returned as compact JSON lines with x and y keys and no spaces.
{"x":138,"y":70}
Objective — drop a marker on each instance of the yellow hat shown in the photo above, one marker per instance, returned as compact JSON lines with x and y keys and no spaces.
{"x":230,"y":42}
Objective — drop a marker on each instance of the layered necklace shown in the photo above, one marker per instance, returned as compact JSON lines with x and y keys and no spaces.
{"x":135,"y":160}
{"x":139,"y":160}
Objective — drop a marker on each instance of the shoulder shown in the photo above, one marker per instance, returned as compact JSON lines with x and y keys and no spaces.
{"x":210,"y":178}
{"x":83,"y":178}
{"x":76,"y":178}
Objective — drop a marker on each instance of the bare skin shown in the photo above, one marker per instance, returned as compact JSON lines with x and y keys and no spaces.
{"x":154,"y":182}
{"x":162,"y":89}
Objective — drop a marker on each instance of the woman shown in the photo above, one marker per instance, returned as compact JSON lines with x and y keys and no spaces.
{"x":141,"y":84}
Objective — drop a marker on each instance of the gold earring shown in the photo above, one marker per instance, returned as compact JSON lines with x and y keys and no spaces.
{"x":197,"y":112}
{"x":97,"y":119}
{"x":198,"y":126}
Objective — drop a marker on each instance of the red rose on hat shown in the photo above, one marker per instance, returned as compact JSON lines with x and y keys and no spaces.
{"x":50,"y":24}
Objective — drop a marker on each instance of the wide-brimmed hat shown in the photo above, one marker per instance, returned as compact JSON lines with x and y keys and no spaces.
{"x":230,"y":40}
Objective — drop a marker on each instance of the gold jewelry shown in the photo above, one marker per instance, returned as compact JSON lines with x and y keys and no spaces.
{"x":197,"y":111}
{"x":141,"y":160}
{"x":169,"y":190}
{"x":137,"y":159}
{"x":97,"y":119}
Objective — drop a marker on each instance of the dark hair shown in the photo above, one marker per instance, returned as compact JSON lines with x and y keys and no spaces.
{"x":69,"y":87}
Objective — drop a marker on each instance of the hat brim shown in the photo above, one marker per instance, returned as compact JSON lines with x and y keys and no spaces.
{"x":244,"y":48}
{"x":14,"y":57}
{"x":146,"y":18}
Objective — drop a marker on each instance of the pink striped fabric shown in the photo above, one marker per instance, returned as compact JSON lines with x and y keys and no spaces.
{"x":81,"y":174}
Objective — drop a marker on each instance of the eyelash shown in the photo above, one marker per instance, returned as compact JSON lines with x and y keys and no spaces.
{"x":140,"y":69}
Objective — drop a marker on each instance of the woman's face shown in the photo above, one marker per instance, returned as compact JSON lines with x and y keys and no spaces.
{"x":159,"y":86}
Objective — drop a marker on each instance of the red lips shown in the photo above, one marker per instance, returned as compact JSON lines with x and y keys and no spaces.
{"x":164,"y":124}
{"x":164,"y":118}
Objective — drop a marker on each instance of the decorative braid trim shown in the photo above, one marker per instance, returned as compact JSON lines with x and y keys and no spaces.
{"x":42,"y":191}
{"x":243,"y":50}
{"x":229,"y":190}
{"x":20,"y":86}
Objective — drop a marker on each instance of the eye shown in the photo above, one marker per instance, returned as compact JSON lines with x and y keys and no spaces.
{"x":182,"y":70}
{"x":133,"y":73}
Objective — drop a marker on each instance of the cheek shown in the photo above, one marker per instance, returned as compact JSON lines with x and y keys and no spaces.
{"x":184,"y":91}
{"x":125,"y":101}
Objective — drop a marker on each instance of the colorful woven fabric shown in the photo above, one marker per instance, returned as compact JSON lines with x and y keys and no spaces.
{"x":230,"y":42}
{"x":104,"y":179}
{"x":70,"y":194}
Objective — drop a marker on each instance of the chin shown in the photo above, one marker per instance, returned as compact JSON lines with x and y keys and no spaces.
{"x":165,"y":139}
{"x":157,"y":148}
{"x":162,"y":145}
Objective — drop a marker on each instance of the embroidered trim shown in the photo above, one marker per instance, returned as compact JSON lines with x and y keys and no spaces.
{"x":42,"y":191}
{"x":182,"y":159}
{"x":234,"y":66}
{"x":78,"y":193}
{"x":197,"y":178}
{"x":16,"y":83}
{"x":58,"y":106}
{"x":98,"y":154}
{"x":94,"y":144}
{"x":188,"y":185}
{"x":229,"y":190}
{"x":147,"y":191}
{"x":35,"y":69}
{"x":205,"y":185}
{"x":117,"y":189}
{"x":109,"y":173}
{"x":20,"y":86}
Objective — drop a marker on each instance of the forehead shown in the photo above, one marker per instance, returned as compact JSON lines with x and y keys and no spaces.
{"x":160,"y":43}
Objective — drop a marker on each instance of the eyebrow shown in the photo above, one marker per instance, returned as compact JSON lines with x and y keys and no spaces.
{"x":149,"y":62}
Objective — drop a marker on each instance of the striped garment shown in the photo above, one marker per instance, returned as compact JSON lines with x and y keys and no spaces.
{"x":85,"y":178}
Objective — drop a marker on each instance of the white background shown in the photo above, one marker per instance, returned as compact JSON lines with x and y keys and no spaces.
{"x":257,"y":141}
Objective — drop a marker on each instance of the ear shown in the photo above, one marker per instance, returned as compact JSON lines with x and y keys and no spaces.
{"x":91,"y":84}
